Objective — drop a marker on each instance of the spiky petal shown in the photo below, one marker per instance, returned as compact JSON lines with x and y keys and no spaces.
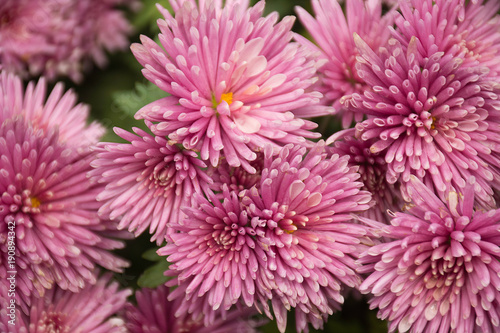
{"x":59,"y":110}
{"x":469,"y":28}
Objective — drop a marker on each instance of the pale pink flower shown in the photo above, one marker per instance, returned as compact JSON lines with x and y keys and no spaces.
{"x":234,"y":78}
{"x":147,"y":182}
{"x":10,"y":312}
{"x":332,"y":30}
{"x":439,"y":271}
{"x":93,"y":309}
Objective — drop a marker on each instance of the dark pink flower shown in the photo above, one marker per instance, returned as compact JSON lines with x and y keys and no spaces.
{"x":439,"y":271}
{"x":215,"y":258}
{"x":301,"y":214}
{"x":60,"y":239}
{"x":234,"y":78}
{"x":332,"y":30}
{"x":431,"y":116}
{"x":147,"y":181}
{"x":154,"y":313}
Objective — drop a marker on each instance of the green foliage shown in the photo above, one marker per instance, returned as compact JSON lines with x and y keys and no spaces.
{"x":129,"y":101}
{"x":145,"y":18}
{"x":153,"y":276}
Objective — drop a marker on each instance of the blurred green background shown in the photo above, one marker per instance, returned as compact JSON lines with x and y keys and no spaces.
{"x":116,"y":92}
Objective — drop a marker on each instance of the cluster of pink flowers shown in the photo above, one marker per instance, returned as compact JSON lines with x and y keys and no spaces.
{"x":253,"y":211}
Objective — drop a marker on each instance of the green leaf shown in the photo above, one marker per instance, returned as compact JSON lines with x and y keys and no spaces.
{"x":130,"y":101}
{"x":151,"y":255}
{"x":153,"y":276}
{"x":146,"y":18}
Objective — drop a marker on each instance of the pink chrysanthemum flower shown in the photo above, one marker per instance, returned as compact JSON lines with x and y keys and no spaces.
{"x":301,"y":214}
{"x":439,"y":273}
{"x":234,"y":79}
{"x":215,"y":258}
{"x":372,"y":167}
{"x":94,"y":309}
{"x":433,"y":117}
{"x":147,"y":182}
{"x":46,"y":193}
{"x":333,"y":30}
{"x":59,"y":110}
{"x":469,"y":28}
{"x":155,"y":314}
{"x":60,"y":38}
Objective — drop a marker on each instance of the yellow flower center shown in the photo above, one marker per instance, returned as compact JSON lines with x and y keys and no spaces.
{"x":228,"y":97}
{"x":35,"y":203}
{"x":288,"y":225}
{"x":433,"y":125}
